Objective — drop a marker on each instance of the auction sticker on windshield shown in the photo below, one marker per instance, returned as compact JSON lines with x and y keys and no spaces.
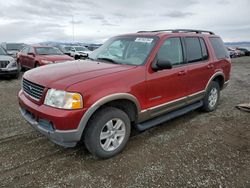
{"x":144,"y":40}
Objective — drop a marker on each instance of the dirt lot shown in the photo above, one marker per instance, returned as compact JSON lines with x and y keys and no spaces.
{"x":196,"y":150}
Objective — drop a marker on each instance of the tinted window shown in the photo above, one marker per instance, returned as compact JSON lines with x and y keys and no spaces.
{"x":193,"y":47}
{"x":219,"y":48}
{"x":203,"y":49}
{"x":171,"y":50}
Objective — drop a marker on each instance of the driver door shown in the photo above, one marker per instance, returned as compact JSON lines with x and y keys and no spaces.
{"x":167,"y":89}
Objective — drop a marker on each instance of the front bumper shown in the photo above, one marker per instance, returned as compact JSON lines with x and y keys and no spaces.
{"x":5,"y":71}
{"x":225,"y":84}
{"x":36,"y":114}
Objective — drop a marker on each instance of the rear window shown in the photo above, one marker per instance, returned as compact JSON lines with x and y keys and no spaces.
{"x":194,"y":51}
{"x":219,"y":47}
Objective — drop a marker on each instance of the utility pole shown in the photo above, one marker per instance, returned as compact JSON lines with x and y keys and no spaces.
{"x":73,"y":29}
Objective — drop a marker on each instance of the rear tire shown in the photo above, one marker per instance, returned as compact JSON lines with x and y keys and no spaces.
{"x":107,"y":132}
{"x":211,"y":99}
{"x":37,"y":65}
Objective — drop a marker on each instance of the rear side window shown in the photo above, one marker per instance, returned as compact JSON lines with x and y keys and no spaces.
{"x":193,"y":47}
{"x":203,"y":49}
{"x":171,"y":50}
{"x":219,"y":47}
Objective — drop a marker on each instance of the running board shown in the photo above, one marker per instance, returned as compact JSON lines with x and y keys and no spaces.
{"x":161,"y":119}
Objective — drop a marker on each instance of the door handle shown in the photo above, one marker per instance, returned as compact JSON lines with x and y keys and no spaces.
{"x":183,"y":72}
{"x":210,"y":66}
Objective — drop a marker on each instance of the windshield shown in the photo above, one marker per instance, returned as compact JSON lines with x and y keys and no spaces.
{"x":48,"y":51}
{"x":131,"y":50}
{"x":2,"y":52}
{"x":81,"y":48}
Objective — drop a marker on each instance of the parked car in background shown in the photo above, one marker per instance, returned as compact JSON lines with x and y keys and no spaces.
{"x":38,"y":55}
{"x":239,"y":52}
{"x":135,"y":80}
{"x":13,"y":48}
{"x":232,"y":52}
{"x":8,"y":65}
{"x":79,"y":52}
{"x":246,"y":50}
{"x":64,"y":49}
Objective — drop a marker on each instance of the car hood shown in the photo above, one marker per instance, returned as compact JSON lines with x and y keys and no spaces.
{"x":85,"y":52}
{"x":56,"y":58}
{"x":63,"y":75}
{"x":5,"y":58}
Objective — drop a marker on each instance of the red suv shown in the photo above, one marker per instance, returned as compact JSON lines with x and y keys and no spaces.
{"x":140,"y":80}
{"x":37,"y":55}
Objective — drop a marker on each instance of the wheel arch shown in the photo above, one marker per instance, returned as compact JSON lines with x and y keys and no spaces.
{"x":218,"y":77}
{"x":115,"y":100}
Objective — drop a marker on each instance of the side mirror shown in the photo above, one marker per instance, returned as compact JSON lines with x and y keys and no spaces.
{"x":162,"y":64}
{"x":32,"y":54}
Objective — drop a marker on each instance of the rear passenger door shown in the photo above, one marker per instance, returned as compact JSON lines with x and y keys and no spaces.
{"x":199,"y":65}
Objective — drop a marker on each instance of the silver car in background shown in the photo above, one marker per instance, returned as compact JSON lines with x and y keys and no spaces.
{"x":8,"y":65}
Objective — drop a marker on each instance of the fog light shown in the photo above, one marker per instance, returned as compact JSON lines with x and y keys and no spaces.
{"x":46,"y":124}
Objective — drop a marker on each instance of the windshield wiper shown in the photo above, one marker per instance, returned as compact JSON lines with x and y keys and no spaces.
{"x":107,"y":59}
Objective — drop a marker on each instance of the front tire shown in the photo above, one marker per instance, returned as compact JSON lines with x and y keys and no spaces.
{"x":107,"y":132}
{"x":211,"y":99}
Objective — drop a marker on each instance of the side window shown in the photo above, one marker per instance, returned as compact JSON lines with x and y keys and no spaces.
{"x":31,"y":50}
{"x":203,"y":49}
{"x":171,"y":50}
{"x":194,"y":53}
{"x":219,"y":47}
{"x":25,"y":50}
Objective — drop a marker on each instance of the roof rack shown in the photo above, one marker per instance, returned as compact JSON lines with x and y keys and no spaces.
{"x":179,"y":31}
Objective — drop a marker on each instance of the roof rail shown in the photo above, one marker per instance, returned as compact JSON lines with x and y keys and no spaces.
{"x":179,"y":31}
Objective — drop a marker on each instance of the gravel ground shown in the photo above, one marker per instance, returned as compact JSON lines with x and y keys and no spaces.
{"x":195,"y":150}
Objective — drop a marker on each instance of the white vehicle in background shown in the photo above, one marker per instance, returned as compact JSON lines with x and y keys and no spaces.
{"x":79,"y":52}
{"x":8,"y":65}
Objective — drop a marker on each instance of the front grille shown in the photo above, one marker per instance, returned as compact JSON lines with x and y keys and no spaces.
{"x":32,"y":89}
{"x":3,"y":64}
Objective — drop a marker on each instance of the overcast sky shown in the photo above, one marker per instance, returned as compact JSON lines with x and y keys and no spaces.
{"x":34,"y":21}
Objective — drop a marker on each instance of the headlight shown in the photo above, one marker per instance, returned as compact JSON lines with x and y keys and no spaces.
{"x":63,"y":99}
{"x":46,"y":62}
{"x":12,"y":64}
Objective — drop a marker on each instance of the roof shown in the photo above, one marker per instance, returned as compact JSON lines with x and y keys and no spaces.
{"x":161,"y":33}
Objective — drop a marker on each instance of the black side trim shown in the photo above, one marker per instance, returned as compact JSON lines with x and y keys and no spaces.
{"x":161,"y":119}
